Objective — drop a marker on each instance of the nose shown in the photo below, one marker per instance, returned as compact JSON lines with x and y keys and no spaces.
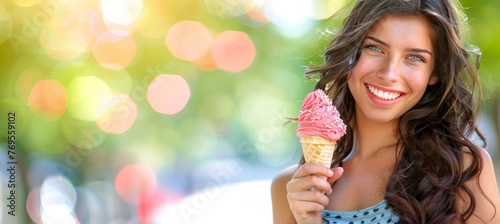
{"x":390,"y":71}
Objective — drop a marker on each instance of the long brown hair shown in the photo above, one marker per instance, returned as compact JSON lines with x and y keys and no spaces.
{"x":435,"y":134}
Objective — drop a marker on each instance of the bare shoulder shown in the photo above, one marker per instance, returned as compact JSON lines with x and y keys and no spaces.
{"x":283,"y":177}
{"x":486,"y":193}
{"x":281,"y":208}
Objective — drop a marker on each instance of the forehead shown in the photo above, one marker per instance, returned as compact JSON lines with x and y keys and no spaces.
{"x":403,"y":29}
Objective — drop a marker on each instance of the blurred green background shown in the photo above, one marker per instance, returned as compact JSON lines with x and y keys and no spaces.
{"x":150,"y":111}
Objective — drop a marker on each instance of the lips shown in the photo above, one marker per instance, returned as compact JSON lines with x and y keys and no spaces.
{"x":384,"y":95}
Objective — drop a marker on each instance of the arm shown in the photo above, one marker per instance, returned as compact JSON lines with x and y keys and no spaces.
{"x":281,"y":208}
{"x":484,"y":212}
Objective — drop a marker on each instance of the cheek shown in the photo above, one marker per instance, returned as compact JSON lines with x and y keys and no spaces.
{"x":418,"y":85}
{"x":359,"y":69}
{"x":352,"y":79}
{"x":366,"y":65}
{"x":417,"y":75}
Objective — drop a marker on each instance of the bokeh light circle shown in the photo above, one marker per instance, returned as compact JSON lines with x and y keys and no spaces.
{"x":116,"y":113}
{"x":77,"y":29}
{"x":69,"y":36}
{"x":121,"y":12}
{"x":57,"y":198}
{"x":233,"y":51}
{"x":295,"y":21}
{"x":297,"y":12}
{"x":53,"y":42}
{"x":168,"y":94}
{"x":33,"y":206}
{"x":58,"y":214}
{"x":136,"y":183}
{"x":189,"y":40}
{"x":96,"y":24}
{"x":121,"y":15}
{"x":84,"y":95}
{"x":6,"y":25}
{"x":147,"y":210}
{"x":57,"y":190}
{"x":48,"y":99}
{"x":114,"y":51}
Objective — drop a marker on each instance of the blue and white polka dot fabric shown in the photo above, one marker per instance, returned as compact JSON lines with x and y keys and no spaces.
{"x":379,"y":213}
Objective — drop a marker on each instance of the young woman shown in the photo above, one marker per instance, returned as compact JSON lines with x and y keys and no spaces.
{"x":405,"y":81}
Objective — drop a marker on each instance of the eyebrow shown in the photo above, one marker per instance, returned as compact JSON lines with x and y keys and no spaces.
{"x":387,"y":45}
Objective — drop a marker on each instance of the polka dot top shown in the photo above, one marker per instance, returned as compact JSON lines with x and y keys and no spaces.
{"x":379,"y":213}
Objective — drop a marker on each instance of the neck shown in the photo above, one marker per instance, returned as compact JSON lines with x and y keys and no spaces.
{"x":372,"y":138}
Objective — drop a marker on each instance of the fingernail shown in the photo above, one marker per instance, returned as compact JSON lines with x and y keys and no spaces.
{"x":331,"y":191}
{"x":330,"y":173}
{"x":341,"y":169}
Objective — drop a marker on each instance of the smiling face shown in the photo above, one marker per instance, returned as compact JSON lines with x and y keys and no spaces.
{"x":394,"y":68}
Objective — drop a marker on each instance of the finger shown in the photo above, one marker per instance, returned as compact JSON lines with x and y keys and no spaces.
{"x":312,"y":169}
{"x":305,"y":207}
{"x":308,"y":196}
{"x":305,"y":183}
{"x":337,"y":173}
{"x":308,"y":217}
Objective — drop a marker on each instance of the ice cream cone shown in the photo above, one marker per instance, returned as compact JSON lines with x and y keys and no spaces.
{"x":318,"y":149}
{"x":319,"y":128}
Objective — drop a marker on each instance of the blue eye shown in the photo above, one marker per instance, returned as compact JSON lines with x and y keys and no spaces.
{"x":416,"y":58}
{"x":374,"y":48}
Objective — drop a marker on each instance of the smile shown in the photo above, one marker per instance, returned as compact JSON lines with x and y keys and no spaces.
{"x":383,"y":95}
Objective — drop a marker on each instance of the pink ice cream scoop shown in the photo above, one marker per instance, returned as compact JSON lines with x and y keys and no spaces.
{"x":318,"y":117}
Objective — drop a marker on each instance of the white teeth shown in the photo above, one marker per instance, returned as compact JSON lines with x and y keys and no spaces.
{"x":383,"y":95}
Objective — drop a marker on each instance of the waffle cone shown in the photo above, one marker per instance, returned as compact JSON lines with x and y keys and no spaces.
{"x":318,"y":150}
